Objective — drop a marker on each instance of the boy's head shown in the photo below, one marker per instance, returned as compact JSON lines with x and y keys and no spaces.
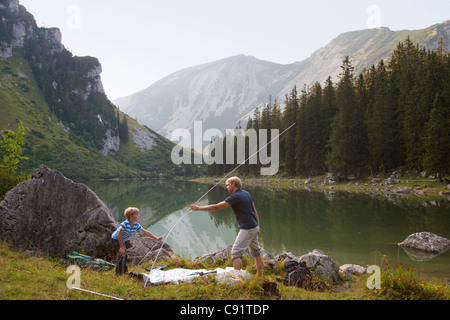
{"x":131,"y":212}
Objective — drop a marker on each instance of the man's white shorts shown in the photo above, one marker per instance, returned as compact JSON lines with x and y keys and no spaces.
{"x":246,"y":239}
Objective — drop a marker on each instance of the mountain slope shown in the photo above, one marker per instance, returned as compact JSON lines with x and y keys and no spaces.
{"x":365,"y":48}
{"x":226,"y":89}
{"x":223,"y":92}
{"x":73,"y":127}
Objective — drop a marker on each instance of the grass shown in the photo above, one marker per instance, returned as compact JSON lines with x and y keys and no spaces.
{"x":34,"y":277}
{"x":404,"y":283}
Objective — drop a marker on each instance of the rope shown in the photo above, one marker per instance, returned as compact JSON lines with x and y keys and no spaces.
{"x":206,"y":193}
{"x":234,"y":277}
{"x":96,"y":293}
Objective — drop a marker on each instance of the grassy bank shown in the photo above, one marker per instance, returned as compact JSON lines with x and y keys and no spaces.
{"x":32,"y":277}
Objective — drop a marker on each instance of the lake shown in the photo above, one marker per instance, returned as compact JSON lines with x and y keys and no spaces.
{"x":349,"y":228}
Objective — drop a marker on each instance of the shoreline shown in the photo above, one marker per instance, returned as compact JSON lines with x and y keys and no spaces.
{"x":426,"y":191}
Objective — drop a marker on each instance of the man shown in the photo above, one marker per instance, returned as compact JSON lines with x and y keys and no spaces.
{"x":248,"y":221}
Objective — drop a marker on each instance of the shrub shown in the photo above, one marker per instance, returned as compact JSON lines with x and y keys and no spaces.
{"x":405,"y":283}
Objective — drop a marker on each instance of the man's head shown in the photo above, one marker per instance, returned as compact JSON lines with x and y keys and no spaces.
{"x":234,"y":184}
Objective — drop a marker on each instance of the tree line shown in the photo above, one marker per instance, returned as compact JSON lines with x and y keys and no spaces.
{"x":391,"y":115}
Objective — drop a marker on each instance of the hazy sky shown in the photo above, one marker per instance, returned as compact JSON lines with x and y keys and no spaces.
{"x":141,"y":41}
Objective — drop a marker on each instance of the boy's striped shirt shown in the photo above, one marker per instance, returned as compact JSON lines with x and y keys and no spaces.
{"x":127,"y":229}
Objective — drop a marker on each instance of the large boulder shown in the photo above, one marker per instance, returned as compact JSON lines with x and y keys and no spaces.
{"x":141,"y":249}
{"x":321,"y":264}
{"x":52,"y":215}
{"x":424,"y":246}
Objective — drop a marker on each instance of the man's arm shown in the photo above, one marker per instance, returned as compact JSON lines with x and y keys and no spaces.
{"x":212,"y":207}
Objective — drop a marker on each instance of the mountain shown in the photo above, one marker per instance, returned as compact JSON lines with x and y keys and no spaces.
{"x":72,"y":126}
{"x":224,"y":92}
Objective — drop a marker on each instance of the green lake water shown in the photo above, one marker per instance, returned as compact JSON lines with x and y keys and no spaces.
{"x":349,"y":228}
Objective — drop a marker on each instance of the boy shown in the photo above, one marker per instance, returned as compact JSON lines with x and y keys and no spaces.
{"x":123,"y":233}
{"x":248,"y":222}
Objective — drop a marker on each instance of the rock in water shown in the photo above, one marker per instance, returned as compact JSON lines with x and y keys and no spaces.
{"x":424,"y":246}
{"x":427,"y":242}
{"x":51,"y":214}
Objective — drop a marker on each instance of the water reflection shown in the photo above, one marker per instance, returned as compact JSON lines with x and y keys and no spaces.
{"x":350,"y":229}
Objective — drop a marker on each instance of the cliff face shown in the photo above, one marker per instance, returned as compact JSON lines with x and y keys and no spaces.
{"x":74,"y":127}
{"x":72,"y":86}
{"x":18,"y":26}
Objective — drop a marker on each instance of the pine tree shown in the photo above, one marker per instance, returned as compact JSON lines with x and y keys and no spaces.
{"x":341,"y":158}
{"x":381,"y":122}
{"x":123,"y":130}
{"x":290,"y":116}
{"x":301,"y":133}
{"x":360,"y":140}
{"x":275,"y":117}
{"x":436,"y":139}
{"x":407,"y":65}
{"x":329,"y":111}
{"x":257,"y":124}
{"x":310,"y":142}
{"x":266,"y":115}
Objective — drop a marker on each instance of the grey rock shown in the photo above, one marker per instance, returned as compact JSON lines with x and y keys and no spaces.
{"x":286,"y":257}
{"x":144,"y":249}
{"x":52,"y":215}
{"x":426,"y":242}
{"x":214,"y":256}
{"x":321,"y":264}
{"x":352,"y":269}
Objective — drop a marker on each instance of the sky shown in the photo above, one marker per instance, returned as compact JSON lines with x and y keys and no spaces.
{"x":139,"y":42}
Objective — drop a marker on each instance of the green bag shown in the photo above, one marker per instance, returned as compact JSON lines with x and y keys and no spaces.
{"x":85,"y":261}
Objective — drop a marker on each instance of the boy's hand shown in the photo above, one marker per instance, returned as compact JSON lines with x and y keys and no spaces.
{"x":122,"y":250}
{"x":194,"y":207}
{"x":159,"y":239}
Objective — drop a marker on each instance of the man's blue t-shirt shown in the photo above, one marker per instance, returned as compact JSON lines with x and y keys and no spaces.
{"x":242,"y":204}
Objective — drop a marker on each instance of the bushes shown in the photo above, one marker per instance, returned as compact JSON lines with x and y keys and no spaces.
{"x":7,"y":182}
{"x":405,"y":283}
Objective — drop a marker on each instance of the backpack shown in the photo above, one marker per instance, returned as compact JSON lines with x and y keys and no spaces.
{"x":297,"y":274}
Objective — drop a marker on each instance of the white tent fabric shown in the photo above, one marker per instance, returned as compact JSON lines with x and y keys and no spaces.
{"x":157,"y":277}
